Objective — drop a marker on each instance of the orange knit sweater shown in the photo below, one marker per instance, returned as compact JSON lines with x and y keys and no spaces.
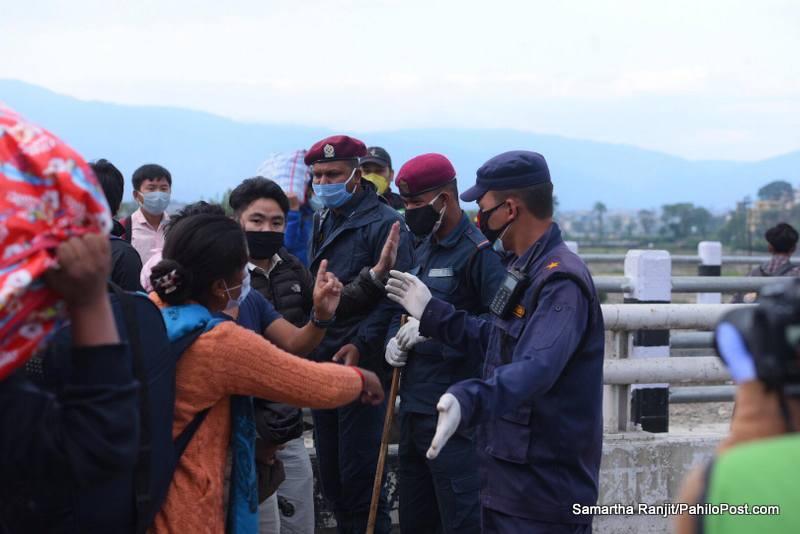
{"x":230,"y":360}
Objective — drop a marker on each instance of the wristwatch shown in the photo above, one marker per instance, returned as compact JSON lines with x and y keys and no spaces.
{"x":319,"y":323}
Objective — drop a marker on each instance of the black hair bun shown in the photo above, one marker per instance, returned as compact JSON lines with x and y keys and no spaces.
{"x":171,"y":282}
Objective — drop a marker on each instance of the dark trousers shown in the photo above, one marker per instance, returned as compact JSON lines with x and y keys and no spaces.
{"x":494,"y":522}
{"x":440,"y":495}
{"x":348,"y":441}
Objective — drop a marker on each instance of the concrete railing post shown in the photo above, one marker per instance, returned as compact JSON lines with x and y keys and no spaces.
{"x":649,"y":273}
{"x":710,"y":253}
{"x":616,"y":398}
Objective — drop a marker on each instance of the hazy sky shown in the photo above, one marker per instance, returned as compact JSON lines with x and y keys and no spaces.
{"x":705,"y":79}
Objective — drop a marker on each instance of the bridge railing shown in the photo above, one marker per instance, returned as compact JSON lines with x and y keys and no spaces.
{"x":623,"y":370}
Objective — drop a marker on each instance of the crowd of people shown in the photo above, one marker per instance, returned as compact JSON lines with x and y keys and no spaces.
{"x":153,"y":367}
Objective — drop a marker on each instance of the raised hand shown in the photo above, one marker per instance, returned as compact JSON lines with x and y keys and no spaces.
{"x":388,"y":253}
{"x":327,"y":293}
{"x":408,"y":291}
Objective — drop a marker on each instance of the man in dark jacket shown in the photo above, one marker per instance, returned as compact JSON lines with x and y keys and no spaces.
{"x":126,"y":265}
{"x":350,"y":234}
{"x":459,"y":266}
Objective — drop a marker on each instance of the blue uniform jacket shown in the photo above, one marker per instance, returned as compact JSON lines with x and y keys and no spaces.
{"x":351,"y":240}
{"x":539,"y":407}
{"x":461,"y":269}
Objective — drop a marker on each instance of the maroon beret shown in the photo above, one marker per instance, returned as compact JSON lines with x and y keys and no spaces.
{"x":335,"y":148}
{"x":424,"y":173}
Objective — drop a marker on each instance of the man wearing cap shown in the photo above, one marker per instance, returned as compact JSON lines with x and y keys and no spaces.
{"x":458,"y":265}
{"x":538,"y":409}
{"x":352,"y":232}
{"x":376,"y":168}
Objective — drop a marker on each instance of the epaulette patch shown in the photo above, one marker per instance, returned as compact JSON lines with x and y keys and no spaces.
{"x":552,"y":265}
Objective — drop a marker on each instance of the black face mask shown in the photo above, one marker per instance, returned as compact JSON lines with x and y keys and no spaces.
{"x":264,"y":245}
{"x":423,"y":221}
{"x":483,"y":224}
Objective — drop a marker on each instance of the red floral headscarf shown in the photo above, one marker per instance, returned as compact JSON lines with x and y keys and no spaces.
{"x":47,"y":195}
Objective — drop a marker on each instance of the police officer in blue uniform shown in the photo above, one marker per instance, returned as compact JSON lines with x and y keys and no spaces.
{"x":459,"y":266}
{"x":351,"y":233}
{"x":538,"y":409}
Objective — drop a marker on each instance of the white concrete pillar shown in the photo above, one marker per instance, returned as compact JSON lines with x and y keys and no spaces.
{"x":650,"y":275}
{"x":710,"y":253}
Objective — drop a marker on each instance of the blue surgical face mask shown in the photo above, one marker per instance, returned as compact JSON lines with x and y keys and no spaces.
{"x":245,"y":285}
{"x":155,"y":202}
{"x":334,"y":195}
{"x":498,"y":244}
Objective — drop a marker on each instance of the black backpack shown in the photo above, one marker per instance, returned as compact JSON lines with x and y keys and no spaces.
{"x":129,"y":502}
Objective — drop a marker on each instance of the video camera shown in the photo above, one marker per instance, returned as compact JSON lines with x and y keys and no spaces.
{"x":771,"y":332}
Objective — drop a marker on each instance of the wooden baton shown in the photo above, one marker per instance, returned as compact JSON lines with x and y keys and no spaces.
{"x":387,"y":427}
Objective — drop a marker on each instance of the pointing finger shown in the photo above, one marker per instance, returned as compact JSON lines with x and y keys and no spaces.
{"x":323,"y":270}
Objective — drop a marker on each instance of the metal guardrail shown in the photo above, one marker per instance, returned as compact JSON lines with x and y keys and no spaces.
{"x":633,"y":317}
{"x":680,"y":258}
{"x":698,"y":370}
{"x":695,"y":284}
{"x":687,"y":395}
{"x":691,"y":340}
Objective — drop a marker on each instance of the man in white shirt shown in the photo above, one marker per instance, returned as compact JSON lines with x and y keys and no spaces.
{"x":144,"y":229}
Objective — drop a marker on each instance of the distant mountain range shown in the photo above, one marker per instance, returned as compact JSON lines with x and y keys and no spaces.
{"x":208,"y":154}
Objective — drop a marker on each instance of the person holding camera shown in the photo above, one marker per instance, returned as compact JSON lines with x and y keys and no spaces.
{"x":757,"y":464}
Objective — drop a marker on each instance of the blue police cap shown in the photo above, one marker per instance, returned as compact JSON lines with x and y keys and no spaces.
{"x":510,"y":170}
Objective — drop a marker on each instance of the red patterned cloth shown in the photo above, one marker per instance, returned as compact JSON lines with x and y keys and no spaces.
{"x":47,"y":195}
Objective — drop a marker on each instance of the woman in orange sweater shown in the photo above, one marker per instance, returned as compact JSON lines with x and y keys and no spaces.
{"x":204,"y":263}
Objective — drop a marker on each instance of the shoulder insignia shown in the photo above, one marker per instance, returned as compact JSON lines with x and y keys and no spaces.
{"x":552,"y":265}
{"x":477,"y":238}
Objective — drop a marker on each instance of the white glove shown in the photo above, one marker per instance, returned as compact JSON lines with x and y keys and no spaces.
{"x":394,"y":356}
{"x":408,"y":335}
{"x":446,"y":426}
{"x":408,"y":291}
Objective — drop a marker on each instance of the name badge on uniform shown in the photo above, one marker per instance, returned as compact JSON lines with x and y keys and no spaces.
{"x":440,"y":273}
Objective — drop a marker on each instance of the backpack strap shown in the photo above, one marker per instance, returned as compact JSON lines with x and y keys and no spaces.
{"x":128,"y":225}
{"x":142,"y":470}
{"x":183,"y":439}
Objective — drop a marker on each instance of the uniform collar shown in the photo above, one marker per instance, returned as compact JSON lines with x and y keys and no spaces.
{"x":545,"y":244}
{"x":452,"y":239}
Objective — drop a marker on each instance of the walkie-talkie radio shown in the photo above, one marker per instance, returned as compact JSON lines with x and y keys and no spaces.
{"x":513,"y":286}
{"x":509,"y":293}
